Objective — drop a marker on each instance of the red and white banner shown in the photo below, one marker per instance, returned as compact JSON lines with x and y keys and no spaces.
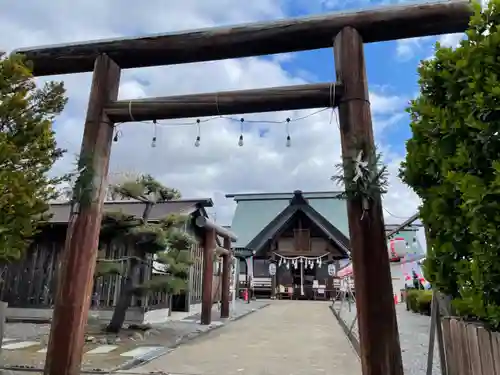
{"x":346,"y":271}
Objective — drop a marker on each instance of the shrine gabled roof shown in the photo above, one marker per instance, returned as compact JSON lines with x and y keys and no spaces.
{"x":60,"y":211}
{"x":254,"y":212}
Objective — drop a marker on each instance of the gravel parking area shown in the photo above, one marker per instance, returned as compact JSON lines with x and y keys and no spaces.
{"x":413,"y":334}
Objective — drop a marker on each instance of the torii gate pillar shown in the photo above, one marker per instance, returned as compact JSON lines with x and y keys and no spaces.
{"x":378,"y":331}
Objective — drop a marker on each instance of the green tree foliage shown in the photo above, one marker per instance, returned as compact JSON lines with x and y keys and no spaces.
{"x":28,"y":151}
{"x":163,"y":242}
{"x":453,"y":164}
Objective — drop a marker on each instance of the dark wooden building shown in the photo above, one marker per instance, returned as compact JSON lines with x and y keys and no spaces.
{"x":301,"y":233}
{"x":29,"y":284}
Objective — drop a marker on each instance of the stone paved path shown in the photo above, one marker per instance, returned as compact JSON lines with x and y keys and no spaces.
{"x":286,"y":338}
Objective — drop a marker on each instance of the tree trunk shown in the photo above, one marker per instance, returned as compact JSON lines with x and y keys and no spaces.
{"x":127,"y":290}
{"x":170,"y":304}
{"x":124,"y":300}
{"x":3,"y":313}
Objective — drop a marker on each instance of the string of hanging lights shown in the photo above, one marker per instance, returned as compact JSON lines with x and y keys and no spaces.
{"x":242,"y":121}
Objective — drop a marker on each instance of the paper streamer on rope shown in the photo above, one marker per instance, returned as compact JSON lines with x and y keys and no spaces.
{"x":302,"y":261}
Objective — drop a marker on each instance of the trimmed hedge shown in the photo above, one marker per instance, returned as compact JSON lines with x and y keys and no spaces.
{"x":419,"y":301}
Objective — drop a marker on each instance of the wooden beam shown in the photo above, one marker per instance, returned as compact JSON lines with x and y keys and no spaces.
{"x":203,"y":222}
{"x":226,"y":103}
{"x":407,"y":222}
{"x":226,"y":275}
{"x":220,"y":251}
{"x":374,"y":300}
{"x":209,"y":245}
{"x":80,"y":250}
{"x":290,"y":35}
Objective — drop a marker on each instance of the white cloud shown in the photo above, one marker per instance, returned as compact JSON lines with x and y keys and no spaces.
{"x":218,"y":166}
{"x":407,"y":49}
{"x":451,"y":40}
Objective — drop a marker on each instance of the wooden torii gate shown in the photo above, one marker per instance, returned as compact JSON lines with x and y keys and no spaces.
{"x":379,"y":339}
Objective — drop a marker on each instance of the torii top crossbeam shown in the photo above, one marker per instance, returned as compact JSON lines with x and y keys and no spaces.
{"x":290,"y":35}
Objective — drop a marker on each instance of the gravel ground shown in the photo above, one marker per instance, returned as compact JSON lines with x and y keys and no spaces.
{"x":25,"y":331}
{"x":413,"y":335}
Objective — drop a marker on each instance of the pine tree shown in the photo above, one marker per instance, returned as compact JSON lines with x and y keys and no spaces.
{"x":28,"y":151}
{"x":163,"y":242}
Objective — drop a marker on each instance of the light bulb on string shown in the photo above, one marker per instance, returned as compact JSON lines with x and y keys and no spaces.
{"x":240,"y":141}
{"x":153,"y":141}
{"x":198,"y":137}
{"x":288,"y":138}
{"x":118,"y":135}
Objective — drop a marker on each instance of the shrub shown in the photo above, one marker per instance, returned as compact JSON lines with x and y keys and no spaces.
{"x":453,"y":164}
{"x":424,"y":300}
{"x":411,"y":299}
{"x":419,"y":301}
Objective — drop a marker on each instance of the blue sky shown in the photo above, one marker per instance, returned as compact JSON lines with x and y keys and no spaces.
{"x":391,"y":68}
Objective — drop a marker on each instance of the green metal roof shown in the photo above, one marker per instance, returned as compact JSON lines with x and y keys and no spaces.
{"x":250,"y":217}
{"x":255,"y":211}
{"x":334,"y":210}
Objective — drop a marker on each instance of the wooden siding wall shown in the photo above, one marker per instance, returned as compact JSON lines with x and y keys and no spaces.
{"x":302,"y":239}
{"x":216,"y":288}
{"x":107,"y":288}
{"x":286,"y":244}
{"x":318,"y":246}
{"x":196,"y":274}
{"x":31,"y":281}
